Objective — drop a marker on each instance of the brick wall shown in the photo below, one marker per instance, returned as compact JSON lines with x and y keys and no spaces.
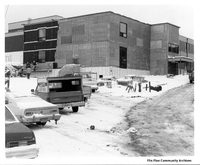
{"x":84,"y":38}
{"x":137,"y":42}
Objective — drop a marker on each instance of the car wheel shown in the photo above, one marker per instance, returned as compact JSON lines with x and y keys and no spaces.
{"x":85,"y":99}
{"x":75,"y":109}
{"x":190,"y":81}
{"x":93,"y":90}
{"x":41,"y":123}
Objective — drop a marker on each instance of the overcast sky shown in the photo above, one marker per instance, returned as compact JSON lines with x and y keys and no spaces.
{"x":180,"y":15}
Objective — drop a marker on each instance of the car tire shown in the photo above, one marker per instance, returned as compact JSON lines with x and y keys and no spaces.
{"x":41,"y":123}
{"x":191,"y":81}
{"x":75,"y":109}
{"x":85,"y":99}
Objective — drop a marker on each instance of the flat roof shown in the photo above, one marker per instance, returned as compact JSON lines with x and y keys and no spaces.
{"x":35,"y":19}
{"x":20,"y":24}
{"x":106,"y":12}
{"x":165,"y":23}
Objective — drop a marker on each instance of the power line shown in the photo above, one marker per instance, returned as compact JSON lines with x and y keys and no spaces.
{"x":6,"y":11}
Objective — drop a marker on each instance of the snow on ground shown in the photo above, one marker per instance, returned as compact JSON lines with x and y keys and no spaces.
{"x":25,"y":85}
{"x":71,"y":137}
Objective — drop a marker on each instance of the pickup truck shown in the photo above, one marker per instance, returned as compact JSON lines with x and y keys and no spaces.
{"x":65,"y":91}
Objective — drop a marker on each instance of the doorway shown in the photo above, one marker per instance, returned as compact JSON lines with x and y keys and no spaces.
{"x":172,"y":68}
{"x":123,"y":57}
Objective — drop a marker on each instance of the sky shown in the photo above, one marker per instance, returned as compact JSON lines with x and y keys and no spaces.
{"x":180,"y":14}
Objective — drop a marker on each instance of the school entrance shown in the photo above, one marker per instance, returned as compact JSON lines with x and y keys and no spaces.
{"x":180,"y":65}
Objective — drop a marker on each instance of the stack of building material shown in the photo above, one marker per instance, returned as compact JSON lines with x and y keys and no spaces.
{"x":69,"y":69}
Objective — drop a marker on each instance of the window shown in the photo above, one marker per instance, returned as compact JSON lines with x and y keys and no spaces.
{"x":55,"y":85}
{"x":41,"y":56}
{"x":75,"y":82}
{"x":123,"y":30}
{"x":42,"y":87}
{"x":42,"y":34}
{"x":173,"y":48}
{"x":191,"y":48}
{"x":8,"y":115}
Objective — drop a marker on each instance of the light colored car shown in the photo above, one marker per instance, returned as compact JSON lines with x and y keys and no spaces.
{"x":89,"y":79}
{"x":31,"y":108}
{"x":20,"y":141}
{"x":125,"y":80}
{"x":106,"y":81}
{"x":128,"y":79}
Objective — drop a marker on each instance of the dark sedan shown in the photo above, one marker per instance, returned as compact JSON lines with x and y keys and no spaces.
{"x":20,"y":141}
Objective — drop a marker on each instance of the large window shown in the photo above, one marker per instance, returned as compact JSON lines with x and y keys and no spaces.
{"x":173,"y":48}
{"x":41,"y":56}
{"x":55,"y":85}
{"x":42,"y":34}
{"x":65,"y":85}
{"x":123,"y":30}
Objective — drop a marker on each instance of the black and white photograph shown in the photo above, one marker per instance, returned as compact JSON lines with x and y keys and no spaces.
{"x":100,"y":83}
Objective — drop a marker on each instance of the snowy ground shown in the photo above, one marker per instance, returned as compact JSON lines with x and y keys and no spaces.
{"x":71,"y":137}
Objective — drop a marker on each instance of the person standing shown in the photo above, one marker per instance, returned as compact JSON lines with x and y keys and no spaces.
{"x":34,"y":65}
{"x":28,"y":65}
{"x":28,"y":72}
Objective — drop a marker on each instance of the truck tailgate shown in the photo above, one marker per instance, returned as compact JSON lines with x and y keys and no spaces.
{"x":65,"y":97}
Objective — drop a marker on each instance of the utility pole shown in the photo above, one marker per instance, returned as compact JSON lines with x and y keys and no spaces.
{"x":6,"y":11}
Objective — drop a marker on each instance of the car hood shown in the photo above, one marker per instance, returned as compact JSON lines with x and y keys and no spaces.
{"x":17,"y":132}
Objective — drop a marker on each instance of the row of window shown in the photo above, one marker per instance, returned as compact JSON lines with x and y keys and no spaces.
{"x":37,"y":35}
{"x":40,"y":56}
{"x":186,"y":47}
{"x":173,"y":48}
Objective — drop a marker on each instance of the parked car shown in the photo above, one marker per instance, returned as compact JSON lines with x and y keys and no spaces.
{"x":89,"y":79}
{"x":125,"y":80}
{"x":31,"y":108}
{"x":105,"y":81}
{"x":20,"y":141}
{"x":128,"y":79}
{"x":191,"y":77}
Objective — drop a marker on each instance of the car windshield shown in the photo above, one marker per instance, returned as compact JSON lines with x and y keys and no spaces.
{"x":9,"y":116}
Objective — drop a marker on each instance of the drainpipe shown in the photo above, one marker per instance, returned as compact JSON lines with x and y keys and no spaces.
{"x":187,"y":47}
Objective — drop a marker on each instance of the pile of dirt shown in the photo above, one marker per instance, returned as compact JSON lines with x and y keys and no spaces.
{"x":164,"y":125}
